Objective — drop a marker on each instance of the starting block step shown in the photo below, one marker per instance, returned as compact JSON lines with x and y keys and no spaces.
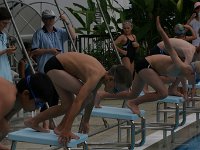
{"x":172,"y":99}
{"x":31,"y":136}
{"x":123,"y":114}
{"x":197,"y":85}
{"x":116,"y":113}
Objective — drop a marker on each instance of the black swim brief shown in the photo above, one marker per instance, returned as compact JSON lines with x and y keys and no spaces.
{"x":156,"y":50}
{"x":141,"y":64}
{"x":53,"y":63}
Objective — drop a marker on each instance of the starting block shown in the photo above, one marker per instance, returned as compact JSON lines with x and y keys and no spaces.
{"x":123,"y":114}
{"x":176,"y":109}
{"x":194,"y":108}
{"x":31,"y":136}
{"x":177,"y":101}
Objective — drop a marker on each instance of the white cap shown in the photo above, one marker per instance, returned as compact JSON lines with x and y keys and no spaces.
{"x":197,"y":4}
{"x":48,"y":14}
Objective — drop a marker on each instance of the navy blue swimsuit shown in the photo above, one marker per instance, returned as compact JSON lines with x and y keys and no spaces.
{"x":131,"y":51}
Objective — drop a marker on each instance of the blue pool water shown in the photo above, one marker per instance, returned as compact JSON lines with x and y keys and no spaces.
{"x":192,"y":144}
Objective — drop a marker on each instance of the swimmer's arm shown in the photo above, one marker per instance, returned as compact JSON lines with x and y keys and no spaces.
{"x":89,"y":107}
{"x":82,"y":96}
{"x":168,"y":46}
{"x":41,"y":51}
{"x":164,"y":36}
{"x":193,"y":36}
{"x":87,"y":112}
{"x":84,"y":126}
{"x":17,"y":107}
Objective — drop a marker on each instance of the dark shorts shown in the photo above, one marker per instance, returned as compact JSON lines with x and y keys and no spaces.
{"x":156,"y":50}
{"x":141,"y":64}
{"x":53,"y":63}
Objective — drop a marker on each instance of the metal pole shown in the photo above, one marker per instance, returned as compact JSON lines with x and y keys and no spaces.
{"x":115,"y":47}
{"x":20,"y":39}
{"x":66,"y":27}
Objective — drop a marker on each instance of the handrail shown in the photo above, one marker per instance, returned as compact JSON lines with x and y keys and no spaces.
{"x":115,"y":47}
{"x":66,"y":27}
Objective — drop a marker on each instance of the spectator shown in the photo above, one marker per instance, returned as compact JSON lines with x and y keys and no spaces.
{"x":5,"y":70}
{"x":49,"y":40}
{"x":181,"y":30}
{"x":194,"y":22}
{"x":23,"y":66}
{"x":129,"y":45}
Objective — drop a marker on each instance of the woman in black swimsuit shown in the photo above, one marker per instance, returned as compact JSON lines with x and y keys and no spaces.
{"x":127,"y":45}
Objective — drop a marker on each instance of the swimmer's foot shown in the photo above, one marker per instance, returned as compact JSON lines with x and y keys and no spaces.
{"x":175,"y":93}
{"x":30,"y":123}
{"x":57,"y":131}
{"x":133,"y":107}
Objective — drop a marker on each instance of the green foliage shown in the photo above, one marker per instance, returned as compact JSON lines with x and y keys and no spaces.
{"x":142,"y":13}
{"x":107,"y":58}
{"x":86,"y":16}
{"x":171,"y":12}
{"x":180,"y":5}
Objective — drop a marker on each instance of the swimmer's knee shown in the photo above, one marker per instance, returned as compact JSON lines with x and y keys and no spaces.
{"x":163,"y":94}
{"x":5,"y":128}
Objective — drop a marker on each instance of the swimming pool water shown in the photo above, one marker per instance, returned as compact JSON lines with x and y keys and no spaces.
{"x":192,"y":144}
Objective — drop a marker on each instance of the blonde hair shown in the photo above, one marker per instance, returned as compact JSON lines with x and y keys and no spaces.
{"x":127,"y":22}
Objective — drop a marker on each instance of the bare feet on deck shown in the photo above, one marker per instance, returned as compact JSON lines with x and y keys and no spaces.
{"x":2,"y":147}
{"x":133,"y":107}
{"x":30,"y":123}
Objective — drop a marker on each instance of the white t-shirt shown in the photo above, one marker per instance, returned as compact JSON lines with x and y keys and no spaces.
{"x":195,"y":24}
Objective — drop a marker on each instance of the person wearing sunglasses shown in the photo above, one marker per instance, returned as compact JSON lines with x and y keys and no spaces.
{"x":82,"y":75}
{"x":29,"y":93}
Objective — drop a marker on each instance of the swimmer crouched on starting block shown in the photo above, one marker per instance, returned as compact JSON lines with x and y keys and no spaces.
{"x":82,"y":75}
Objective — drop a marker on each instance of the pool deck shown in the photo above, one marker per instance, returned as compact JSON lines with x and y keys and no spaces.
{"x":153,"y":139}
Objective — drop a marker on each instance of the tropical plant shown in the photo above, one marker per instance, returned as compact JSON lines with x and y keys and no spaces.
{"x":171,"y":12}
{"x":87,"y":19}
{"x":142,"y":13}
{"x":85,"y":16}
